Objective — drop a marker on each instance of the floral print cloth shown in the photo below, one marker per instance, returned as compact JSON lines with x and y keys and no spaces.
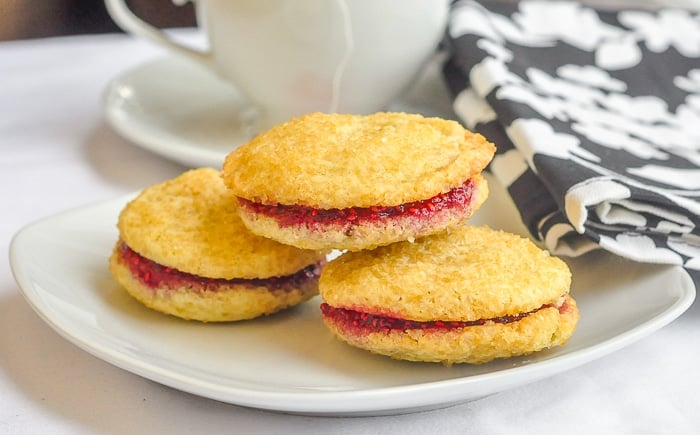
{"x":596,"y":117}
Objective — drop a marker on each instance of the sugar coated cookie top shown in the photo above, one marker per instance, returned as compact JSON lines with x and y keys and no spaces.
{"x":467,"y":273}
{"x":339,"y":161}
{"x":191,"y":223}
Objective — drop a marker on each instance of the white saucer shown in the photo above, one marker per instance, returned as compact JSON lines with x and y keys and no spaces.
{"x":180,"y":110}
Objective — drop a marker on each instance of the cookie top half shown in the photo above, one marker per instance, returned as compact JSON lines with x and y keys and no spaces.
{"x":191,"y":223}
{"x":463,"y":274}
{"x":339,"y":161}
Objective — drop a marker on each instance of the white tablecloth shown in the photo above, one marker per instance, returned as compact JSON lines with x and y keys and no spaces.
{"x":57,"y":153}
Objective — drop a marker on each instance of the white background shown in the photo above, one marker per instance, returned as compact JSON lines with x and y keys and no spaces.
{"x":57,"y":153}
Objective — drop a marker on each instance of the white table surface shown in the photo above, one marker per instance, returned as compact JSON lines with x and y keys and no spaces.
{"x":57,"y":153}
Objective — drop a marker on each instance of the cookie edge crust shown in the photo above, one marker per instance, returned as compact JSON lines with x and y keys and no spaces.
{"x":538,"y":331}
{"x":231,"y":302}
{"x":364,"y":235}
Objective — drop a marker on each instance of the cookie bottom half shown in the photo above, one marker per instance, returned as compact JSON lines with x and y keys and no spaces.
{"x":545,"y":328}
{"x":359,"y":229}
{"x":209,"y":300}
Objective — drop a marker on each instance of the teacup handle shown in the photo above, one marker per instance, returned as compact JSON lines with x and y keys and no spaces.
{"x":129,"y":22}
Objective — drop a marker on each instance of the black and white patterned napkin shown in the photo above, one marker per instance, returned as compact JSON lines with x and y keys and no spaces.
{"x":596,"y":117}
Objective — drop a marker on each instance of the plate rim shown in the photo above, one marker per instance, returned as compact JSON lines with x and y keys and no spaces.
{"x":321,"y":402}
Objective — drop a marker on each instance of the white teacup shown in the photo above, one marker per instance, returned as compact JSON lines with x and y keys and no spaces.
{"x":291,"y":57}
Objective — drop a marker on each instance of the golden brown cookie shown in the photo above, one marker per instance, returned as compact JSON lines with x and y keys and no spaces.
{"x":356,"y":182}
{"x":184,"y":251}
{"x":467,"y":295}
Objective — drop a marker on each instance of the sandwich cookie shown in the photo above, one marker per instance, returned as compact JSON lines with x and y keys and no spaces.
{"x":353,"y":182}
{"x":184,"y":251}
{"x":467,"y":295}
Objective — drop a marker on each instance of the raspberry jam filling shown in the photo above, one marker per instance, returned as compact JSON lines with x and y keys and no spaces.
{"x":289,"y":215}
{"x":154,"y":275}
{"x":351,"y":319}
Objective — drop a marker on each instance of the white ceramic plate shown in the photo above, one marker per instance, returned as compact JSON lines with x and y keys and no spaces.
{"x":181,"y":111}
{"x":289,"y":362}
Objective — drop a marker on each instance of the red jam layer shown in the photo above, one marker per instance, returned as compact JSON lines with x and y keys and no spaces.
{"x":154,"y":275}
{"x":351,"y":319}
{"x":291,"y":215}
